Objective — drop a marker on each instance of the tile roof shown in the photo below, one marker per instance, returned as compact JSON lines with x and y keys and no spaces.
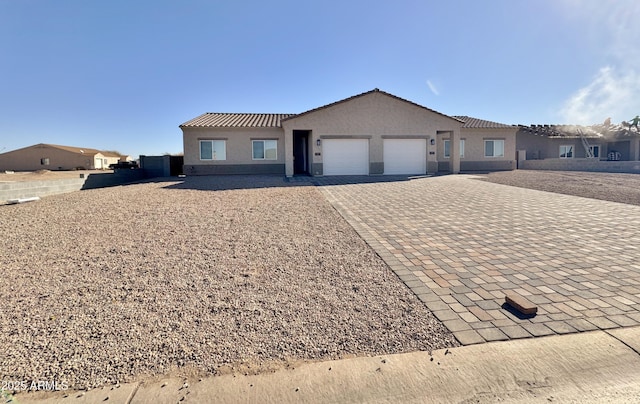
{"x":111,"y":154}
{"x":233,"y":120}
{"x":262,"y":120}
{"x":615,"y":131}
{"x":375,"y":90}
{"x":475,"y":123}
{"x":562,"y":131}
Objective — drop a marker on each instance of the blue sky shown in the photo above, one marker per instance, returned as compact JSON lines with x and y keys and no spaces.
{"x":124,"y":74}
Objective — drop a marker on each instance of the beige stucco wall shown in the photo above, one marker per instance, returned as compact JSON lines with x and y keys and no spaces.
{"x":238,"y":143}
{"x":542,"y":147}
{"x":375,"y":115}
{"x":29,"y":159}
{"x":474,"y":144}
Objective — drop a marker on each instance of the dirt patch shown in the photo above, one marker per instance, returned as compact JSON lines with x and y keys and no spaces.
{"x":623,"y":188}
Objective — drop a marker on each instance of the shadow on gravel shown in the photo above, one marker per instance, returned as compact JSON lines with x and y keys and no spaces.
{"x":231,"y":182}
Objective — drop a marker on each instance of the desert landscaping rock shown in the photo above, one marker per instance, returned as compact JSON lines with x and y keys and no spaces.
{"x":614,"y":187}
{"x":203,"y":276}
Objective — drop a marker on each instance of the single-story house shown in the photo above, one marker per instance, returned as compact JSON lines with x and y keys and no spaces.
{"x":613,"y":148}
{"x":368,"y":134}
{"x":55,"y":157}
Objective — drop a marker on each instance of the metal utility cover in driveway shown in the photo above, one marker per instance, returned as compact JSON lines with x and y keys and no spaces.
{"x":345,"y":156}
{"x":405,"y":156}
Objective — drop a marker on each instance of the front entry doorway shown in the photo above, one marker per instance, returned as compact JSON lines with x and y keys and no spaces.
{"x":301,"y":152}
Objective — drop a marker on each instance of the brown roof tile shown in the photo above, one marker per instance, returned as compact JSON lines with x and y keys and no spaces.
{"x":608,"y":132}
{"x":475,"y":123}
{"x":562,"y":131}
{"x":233,"y":120}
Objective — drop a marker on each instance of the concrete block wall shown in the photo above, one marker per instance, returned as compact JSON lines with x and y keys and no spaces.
{"x":582,"y":165}
{"x":27,"y":189}
{"x":118,"y":177}
{"x":156,"y":166}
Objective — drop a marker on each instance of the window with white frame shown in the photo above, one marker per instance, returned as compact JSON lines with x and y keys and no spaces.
{"x":595,"y":151}
{"x":213,"y":150}
{"x":566,"y":151}
{"x":494,"y":148}
{"x":265,"y":149}
{"x":447,"y":148}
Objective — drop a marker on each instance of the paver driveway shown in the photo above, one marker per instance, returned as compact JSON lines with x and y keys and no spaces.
{"x":459,"y":243}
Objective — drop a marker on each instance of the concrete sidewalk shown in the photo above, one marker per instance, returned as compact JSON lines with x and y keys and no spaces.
{"x":597,"y":366}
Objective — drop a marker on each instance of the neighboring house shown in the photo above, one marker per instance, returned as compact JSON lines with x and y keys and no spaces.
{"x":573,"y":147}
{"x":54,"y":157}
{"x":367,"y":134}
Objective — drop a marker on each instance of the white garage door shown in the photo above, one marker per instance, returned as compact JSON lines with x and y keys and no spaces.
{"x":345,"y":156}
{"x":405,"y":156}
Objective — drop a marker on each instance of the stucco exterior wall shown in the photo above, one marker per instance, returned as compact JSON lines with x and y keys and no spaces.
{"x":474,"y":143}
{"x":239,"y":152}
{"x":542,"y":147}
{"x":536,"y":146}
{"x":30,"y":158}
{"x":102,"y":162}
{"x":624,"y":147}
{"x":373,"y":115}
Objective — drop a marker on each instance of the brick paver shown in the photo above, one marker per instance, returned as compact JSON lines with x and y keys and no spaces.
{"x":460,"y":244}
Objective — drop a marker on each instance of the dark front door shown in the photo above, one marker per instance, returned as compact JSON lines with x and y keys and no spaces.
{"x":300,"y":152}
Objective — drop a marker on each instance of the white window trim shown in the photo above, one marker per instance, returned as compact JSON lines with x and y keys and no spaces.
{"x":211,"y":141}
{"x":592,"y":148}
{"x":494,"y":149}
{"x":263,"y":141}
{"x":573,"y":151}
{"x":461,"y":145}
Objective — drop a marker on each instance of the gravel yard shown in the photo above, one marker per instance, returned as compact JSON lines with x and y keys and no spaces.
{"x":197,"y":277}
{"x":623,"y":188}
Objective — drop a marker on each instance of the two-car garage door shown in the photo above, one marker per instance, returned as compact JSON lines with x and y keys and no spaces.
{"x":351,"y":156}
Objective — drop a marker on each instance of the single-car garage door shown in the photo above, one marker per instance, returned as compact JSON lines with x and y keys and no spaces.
{"x":405,"y":156}
{"x":345,"y":156}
